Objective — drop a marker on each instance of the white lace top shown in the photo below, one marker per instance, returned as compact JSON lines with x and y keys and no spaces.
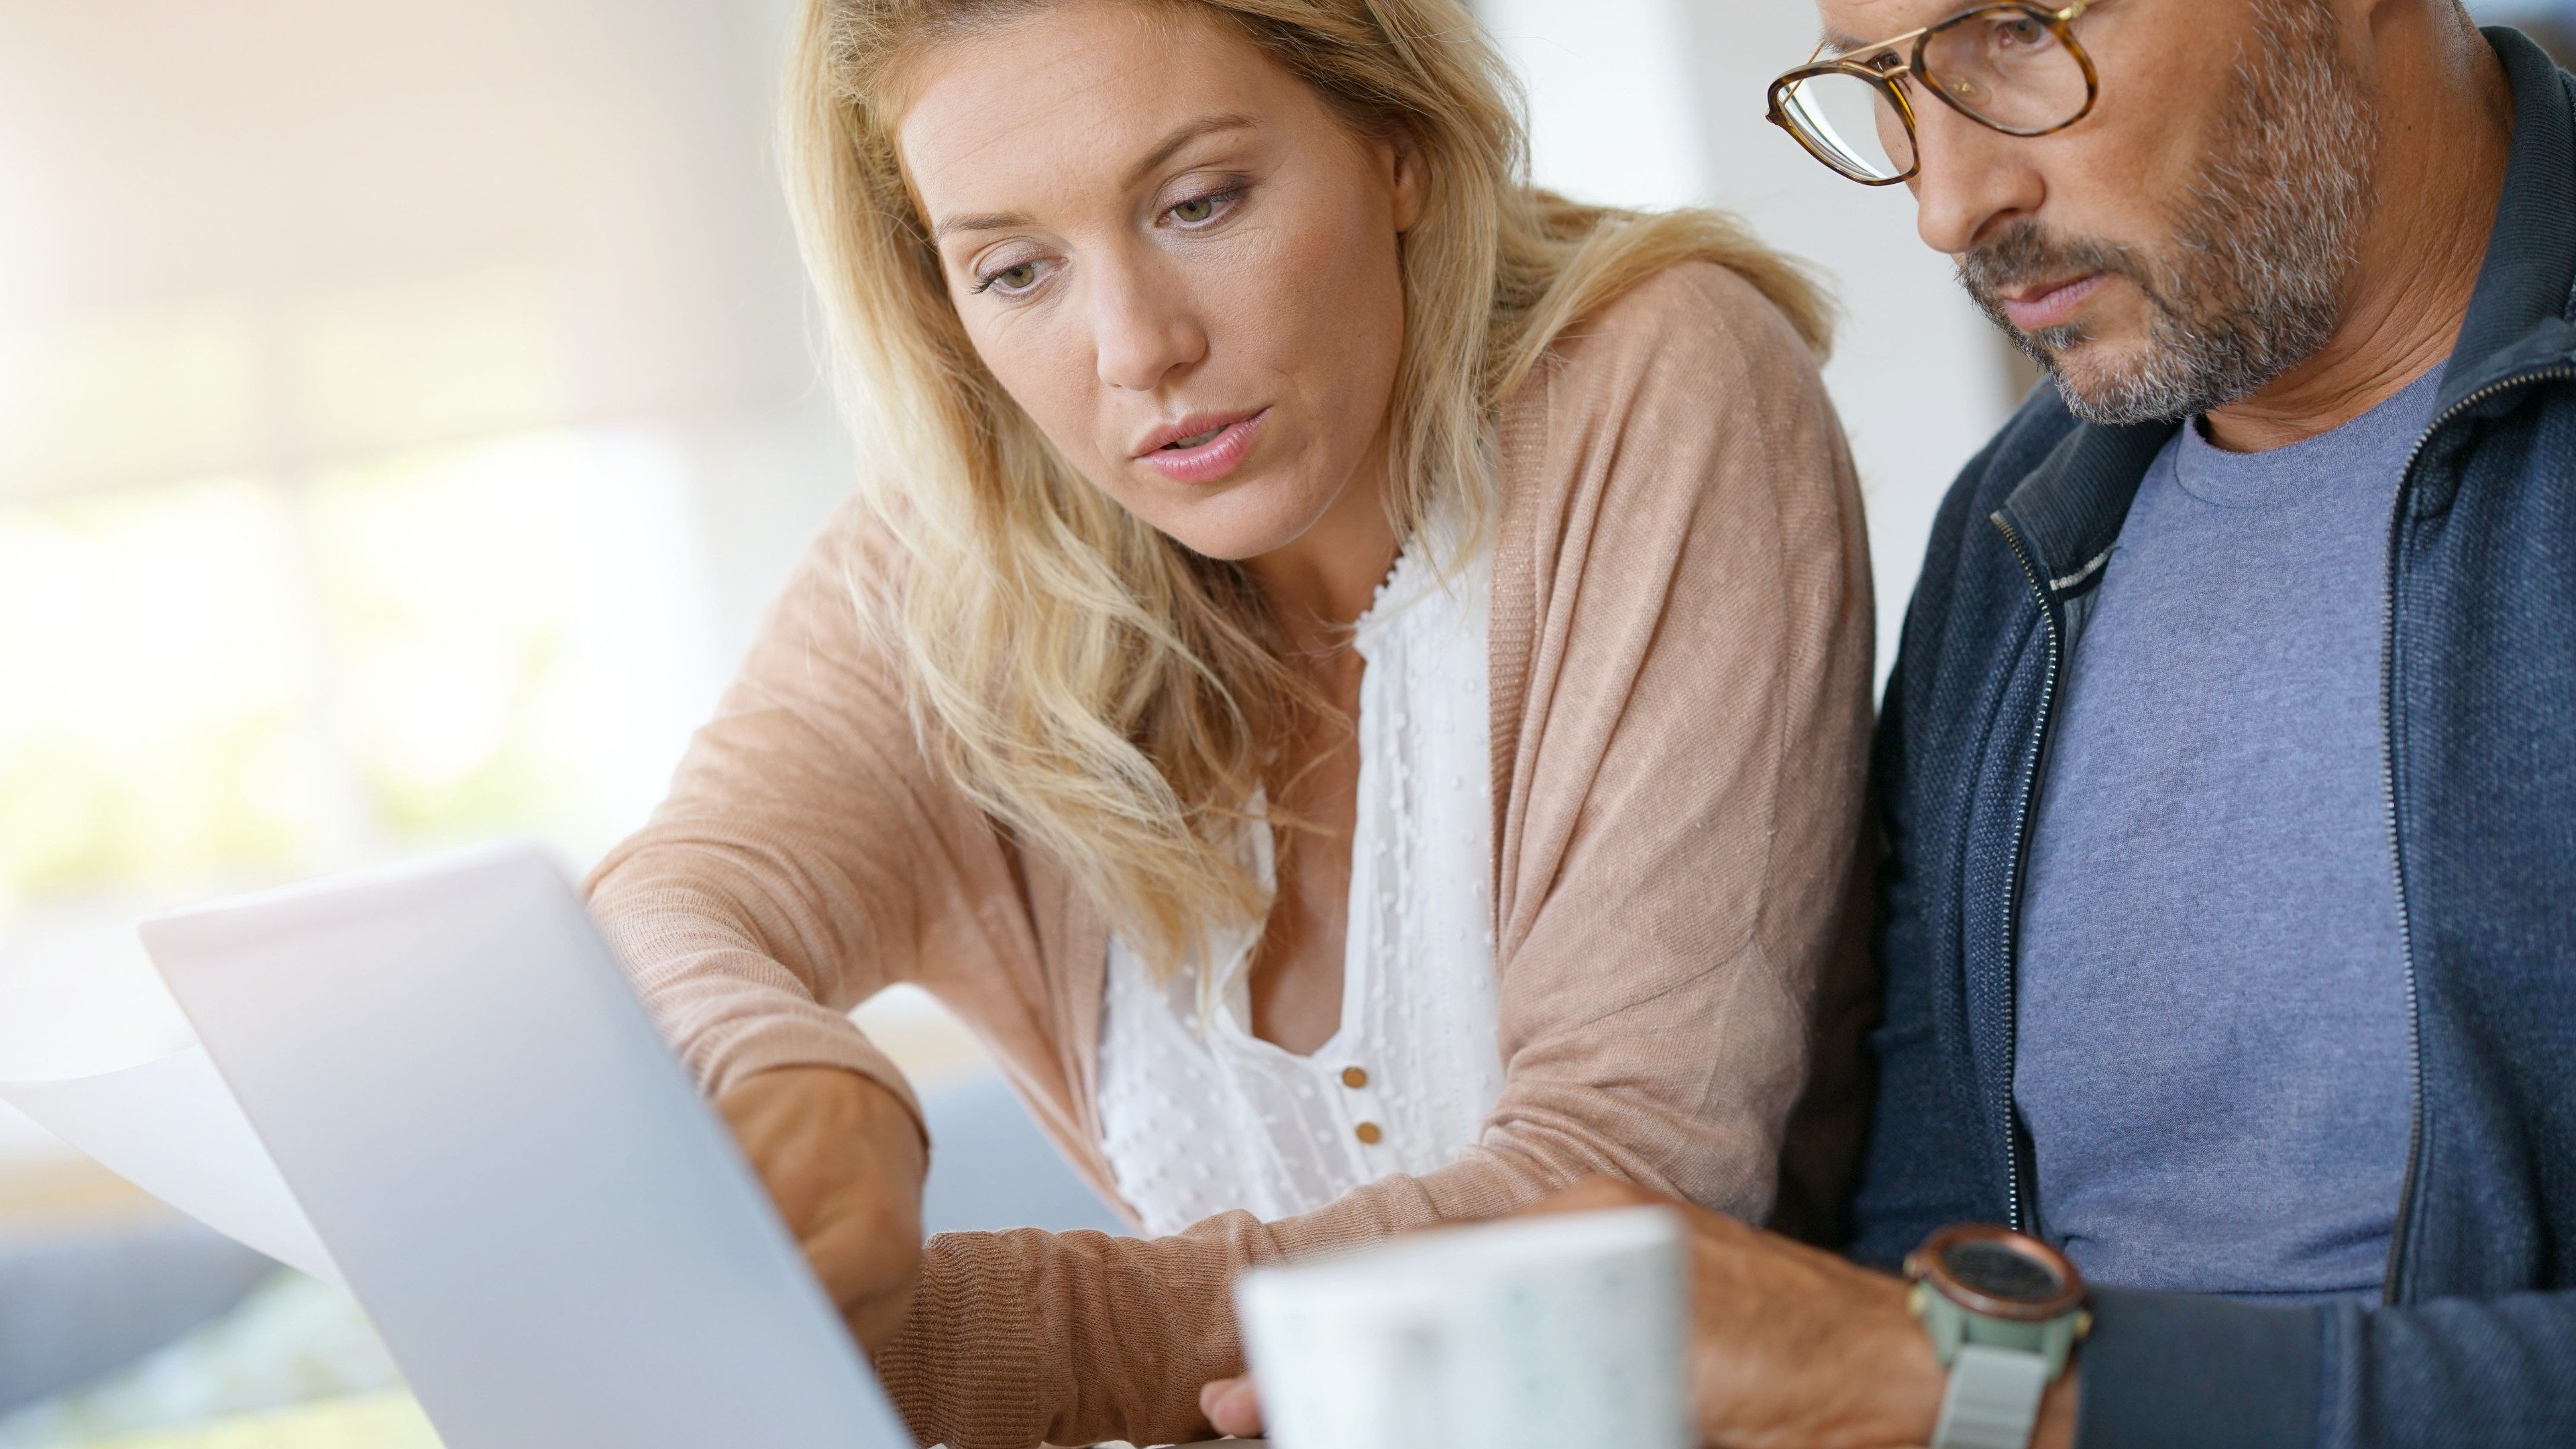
{"x":1199,"y":1114}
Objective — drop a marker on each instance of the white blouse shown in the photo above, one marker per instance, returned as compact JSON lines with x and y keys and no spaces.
{"x":1200,"y":1115}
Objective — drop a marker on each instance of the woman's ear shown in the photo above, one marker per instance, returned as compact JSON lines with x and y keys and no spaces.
{"x":1401,"y":155}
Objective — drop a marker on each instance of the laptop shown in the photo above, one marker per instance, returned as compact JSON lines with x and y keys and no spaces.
{"x":550,"y":1228}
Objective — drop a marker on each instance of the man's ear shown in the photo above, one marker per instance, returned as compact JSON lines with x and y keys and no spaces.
{"x":1401,"y":155}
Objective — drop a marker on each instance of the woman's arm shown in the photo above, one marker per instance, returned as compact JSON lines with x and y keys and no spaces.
{"x":801,"y":863}
{"x":1691,"y":639}
{"x":774,"y":887}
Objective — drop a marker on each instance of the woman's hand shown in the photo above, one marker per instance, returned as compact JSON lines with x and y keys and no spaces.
{"x":1232,"y":1406}
{"x":844,"y":1160}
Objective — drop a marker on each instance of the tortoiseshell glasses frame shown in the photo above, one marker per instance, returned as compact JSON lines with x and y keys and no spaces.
{"x":1946,"y":59}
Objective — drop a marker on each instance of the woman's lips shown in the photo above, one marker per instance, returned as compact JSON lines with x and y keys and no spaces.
{"x":1208,"y":456}
{"x":2052,"y":308}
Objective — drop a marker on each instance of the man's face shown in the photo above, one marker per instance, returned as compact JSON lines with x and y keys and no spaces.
{"x":2189,"y":240}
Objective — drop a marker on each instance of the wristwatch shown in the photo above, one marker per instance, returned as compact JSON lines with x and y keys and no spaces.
{"x":2004,"y":1310}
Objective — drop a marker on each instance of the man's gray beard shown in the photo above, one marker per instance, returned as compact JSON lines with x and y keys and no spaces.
{"x":2253,"y":281}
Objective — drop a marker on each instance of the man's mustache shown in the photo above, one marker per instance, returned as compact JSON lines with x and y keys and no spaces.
{"x":2023,"y":255}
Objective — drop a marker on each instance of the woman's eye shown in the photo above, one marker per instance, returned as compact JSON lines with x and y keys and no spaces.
{"x":1201,"y":209}
{"x":1016,"y":278}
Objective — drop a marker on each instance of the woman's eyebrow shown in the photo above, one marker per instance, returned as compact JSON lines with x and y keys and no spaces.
{"x":1206,"y":126}
{"x":990,"y":221}
{"x":1163,"y":151}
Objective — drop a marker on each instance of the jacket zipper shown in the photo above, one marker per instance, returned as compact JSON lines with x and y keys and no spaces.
{"x":2388,"y":795}
{"x":2006,"y":1113}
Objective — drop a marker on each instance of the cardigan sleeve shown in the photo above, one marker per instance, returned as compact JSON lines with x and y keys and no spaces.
{"x":804,"y":858}
{"x":1681,"y":635}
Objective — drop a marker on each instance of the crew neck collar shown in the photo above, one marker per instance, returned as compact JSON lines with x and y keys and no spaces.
{"x":2295,"y":471}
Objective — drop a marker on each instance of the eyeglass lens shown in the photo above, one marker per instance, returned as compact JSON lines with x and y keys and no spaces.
{"x":2006,"y":66}
{"x":1852,"y":123}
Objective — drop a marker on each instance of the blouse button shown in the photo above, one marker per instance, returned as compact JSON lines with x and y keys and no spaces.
{"x":1369,"y":1133}
{"x":1354,"y":1078}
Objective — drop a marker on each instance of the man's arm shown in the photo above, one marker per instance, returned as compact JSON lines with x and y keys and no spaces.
{"x":2168,"y":1368}
{"x":1791,"y":1345}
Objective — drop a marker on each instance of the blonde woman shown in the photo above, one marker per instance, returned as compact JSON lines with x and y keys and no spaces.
{"x":1349,"y":672}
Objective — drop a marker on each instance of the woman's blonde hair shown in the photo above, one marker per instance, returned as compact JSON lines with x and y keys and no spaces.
{"x":1103,"y":692}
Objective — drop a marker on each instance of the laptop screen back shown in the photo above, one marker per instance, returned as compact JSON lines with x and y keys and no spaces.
{"x":552,"y":1231}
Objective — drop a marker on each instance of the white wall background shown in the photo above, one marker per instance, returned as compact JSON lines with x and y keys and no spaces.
{"x":1660,"y":103}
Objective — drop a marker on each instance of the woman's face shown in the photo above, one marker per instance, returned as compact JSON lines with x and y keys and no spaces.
{"x":1175,"y":257}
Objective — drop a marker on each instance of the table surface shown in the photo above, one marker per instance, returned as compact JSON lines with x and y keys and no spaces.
{"x":377,"y":1421}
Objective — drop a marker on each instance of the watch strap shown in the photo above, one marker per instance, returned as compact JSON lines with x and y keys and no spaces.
{"x":1993,"y":1399}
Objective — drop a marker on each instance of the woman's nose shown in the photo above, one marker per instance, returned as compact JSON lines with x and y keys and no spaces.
{"x":1143,"y":328}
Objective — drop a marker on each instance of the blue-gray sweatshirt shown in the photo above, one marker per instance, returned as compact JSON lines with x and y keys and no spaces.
{"x":2475,"y":1343}
{"x":2211,"y":985}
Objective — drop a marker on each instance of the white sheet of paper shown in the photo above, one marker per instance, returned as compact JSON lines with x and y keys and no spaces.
{"x":171,"y":1127}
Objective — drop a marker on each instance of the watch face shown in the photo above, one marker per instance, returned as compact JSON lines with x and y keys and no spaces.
{"x":1997,"y":1270}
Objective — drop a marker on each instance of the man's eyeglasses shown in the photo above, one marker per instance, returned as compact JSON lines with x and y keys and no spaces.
{"x":2014,"y":68}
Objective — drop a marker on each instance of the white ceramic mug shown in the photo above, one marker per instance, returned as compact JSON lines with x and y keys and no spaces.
{"x":1561,"y":1332}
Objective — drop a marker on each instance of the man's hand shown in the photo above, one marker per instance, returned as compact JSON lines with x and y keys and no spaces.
{"x":1789,"y":1345}
{"x":1794,"y":1346}
{"x":844,"y":1160}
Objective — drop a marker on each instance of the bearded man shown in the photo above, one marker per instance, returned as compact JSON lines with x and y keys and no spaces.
{"x":2228,"y":772}
{"x":2226,"y":1084}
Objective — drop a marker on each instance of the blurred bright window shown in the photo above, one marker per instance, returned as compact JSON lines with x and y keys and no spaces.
{"x":156,"y":691}
{"x":236,"y":678}
{"x":365,"y":377}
